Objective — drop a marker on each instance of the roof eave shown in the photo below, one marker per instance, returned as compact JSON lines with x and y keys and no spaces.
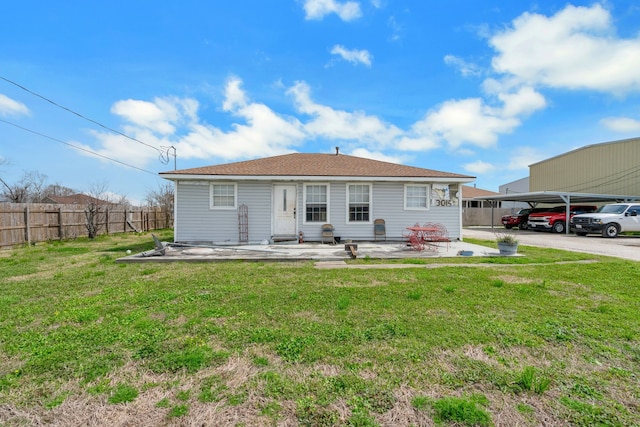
{"x":206,"y":177}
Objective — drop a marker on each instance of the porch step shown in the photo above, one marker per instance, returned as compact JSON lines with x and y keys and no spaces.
{"x":285,"y":238}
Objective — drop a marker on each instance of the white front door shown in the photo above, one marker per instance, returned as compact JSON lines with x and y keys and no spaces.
{"x":284,"y":210}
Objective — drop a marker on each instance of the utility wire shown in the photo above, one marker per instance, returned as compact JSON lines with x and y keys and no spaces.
{"x":162,"y":153}
{"x":607,"y":179}
{"x":76,"y":147}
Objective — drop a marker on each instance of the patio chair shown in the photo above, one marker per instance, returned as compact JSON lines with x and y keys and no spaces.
{"x":441,"y":236}
{"x":327,"y":234}
{"x":379,"y":229}
{"x":406,"y":235}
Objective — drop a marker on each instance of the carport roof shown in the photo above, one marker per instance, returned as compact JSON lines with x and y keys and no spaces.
{"x":558,"y":197}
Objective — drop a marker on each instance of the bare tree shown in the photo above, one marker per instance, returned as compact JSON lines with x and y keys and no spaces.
{"x":162,"y":198}
{"x":122,"y":201}
{"x":96,"y":208}
{"x":58,"y":190}
{"x":37,"y":184}
{"x":15,"y":193}
{"x":29,"y":189}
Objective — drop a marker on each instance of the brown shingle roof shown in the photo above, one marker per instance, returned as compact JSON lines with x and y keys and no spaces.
{"x":306,"y":164}
{"x":75,"y":199}
{"x":469,"y":192}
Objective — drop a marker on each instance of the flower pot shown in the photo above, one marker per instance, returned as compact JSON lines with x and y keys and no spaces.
{"x":507,"y":248}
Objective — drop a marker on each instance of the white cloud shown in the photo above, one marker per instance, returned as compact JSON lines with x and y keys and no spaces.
{"x":575,"y":49}
{"x":234,"y":95}
{"x":396,"y":29}
{"x":160,"y":116}
{"x":318,"y":9}
{"x":258,"y":131}
{"x":466,"y":121}
{"x":174,"y":122}
{"x":416,"y":142}
{"x":525,"y":156}
{"x":465,"y":68}
{"x":522,"y":103}
{"x":10,"y":107}
{"x":473,"y":121}
{"x":354,"y":56}
{"x":376,"y":155}
{"x":123,"y":149}
{"x":621,"y":124}
{"x":478,"y":167}
{"x":327,"y":122}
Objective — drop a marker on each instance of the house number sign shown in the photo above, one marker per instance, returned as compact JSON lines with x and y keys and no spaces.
{"x":444,"y":195}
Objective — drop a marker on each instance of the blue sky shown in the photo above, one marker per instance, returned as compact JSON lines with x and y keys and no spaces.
{"x":478,"y":88}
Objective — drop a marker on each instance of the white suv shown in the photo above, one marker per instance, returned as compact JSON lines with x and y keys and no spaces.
{"x":609,"y":220}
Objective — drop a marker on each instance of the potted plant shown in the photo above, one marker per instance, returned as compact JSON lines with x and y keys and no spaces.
{"x":507,"y":244}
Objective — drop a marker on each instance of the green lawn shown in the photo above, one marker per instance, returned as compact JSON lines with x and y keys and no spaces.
{"x":538,"y":342}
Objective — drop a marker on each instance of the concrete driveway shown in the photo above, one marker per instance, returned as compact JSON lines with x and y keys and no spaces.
{"x":627,"y":247}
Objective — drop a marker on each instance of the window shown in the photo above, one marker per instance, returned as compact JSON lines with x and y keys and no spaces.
{"x":316,"y":203}
{"x":359,"y":196}
{"x":416,"y":196}
{"x":223,"y":196}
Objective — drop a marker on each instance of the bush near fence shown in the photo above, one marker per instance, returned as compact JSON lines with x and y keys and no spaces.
{"x":28,"y":223}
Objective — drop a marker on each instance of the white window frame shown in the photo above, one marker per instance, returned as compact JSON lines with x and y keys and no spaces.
{"x":370,"y":220}
{"x":427,"y":187}
{"x":304,"y":206}
{"x":235,"y":195}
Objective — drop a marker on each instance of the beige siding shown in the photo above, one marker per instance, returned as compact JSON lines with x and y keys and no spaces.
{"x":609,"y":168}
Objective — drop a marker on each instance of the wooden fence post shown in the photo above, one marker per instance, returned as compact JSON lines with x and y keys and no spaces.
{"x":27,"y":218}
{"x":60,"y":224}
{"x":106,"y":217}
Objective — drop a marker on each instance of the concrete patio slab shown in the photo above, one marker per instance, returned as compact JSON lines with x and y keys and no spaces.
{"x":306,"y":252}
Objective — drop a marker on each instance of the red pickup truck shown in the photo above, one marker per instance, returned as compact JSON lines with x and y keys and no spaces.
{"x":520,"y":218}
{"x":555,"y":219}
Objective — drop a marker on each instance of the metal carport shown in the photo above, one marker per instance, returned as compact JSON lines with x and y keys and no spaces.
{"x":555,"y":197}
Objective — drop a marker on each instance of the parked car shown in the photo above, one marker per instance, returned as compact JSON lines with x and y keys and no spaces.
{"x":555,"y":219}
{"x":520,"y":218}
{"x":609,"y":220}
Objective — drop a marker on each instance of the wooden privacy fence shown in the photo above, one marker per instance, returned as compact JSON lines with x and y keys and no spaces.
{"x":27,"y":223}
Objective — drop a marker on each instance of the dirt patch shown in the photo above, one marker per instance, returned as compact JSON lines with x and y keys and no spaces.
{"x":515,"y":279}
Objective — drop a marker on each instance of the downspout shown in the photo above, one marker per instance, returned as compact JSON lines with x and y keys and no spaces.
{"x":175,"y":209}
{"x":459,"y":197}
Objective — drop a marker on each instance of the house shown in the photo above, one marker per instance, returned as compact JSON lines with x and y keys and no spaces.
{"x":75,"y":199}
{"x":289,"y":196}
{"x":469,"y":193}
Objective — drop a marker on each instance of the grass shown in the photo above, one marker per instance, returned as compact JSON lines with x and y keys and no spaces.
{"x":530,"y":341}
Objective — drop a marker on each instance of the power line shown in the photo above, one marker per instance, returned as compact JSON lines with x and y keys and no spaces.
{"x":164,"y":155}
{"x":76,"y":147}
